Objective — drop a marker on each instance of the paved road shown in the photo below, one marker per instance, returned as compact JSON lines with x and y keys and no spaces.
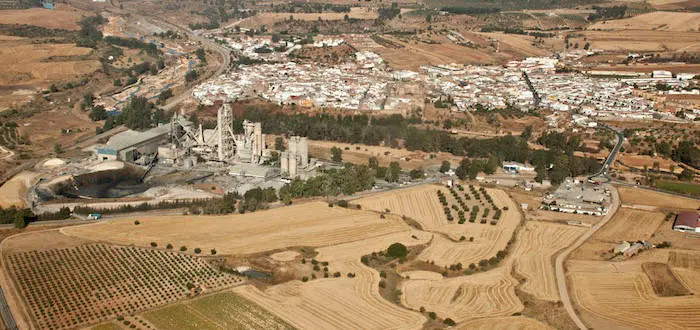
{"x":561,"y":258}
{"x":603,"y":173}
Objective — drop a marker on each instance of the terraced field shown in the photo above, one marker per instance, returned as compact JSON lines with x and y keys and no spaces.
{"x":489,"y":294}
{"x":504,"y":323}
{"x":536,"y":245}
{"x":418,"y":203}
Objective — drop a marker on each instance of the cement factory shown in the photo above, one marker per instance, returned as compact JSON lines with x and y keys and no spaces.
{"x":176,"y":161}
{"x":181,"y":144}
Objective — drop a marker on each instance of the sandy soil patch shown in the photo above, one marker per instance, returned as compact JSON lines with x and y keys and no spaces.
{"x":284,"y":256}
{"x":536,"y":245}
{"x":422,"y":275}
{"x":13,"y":191}
{"x":504,"y":323}
{"x":658,"y":21}
{"x":63,"y":17}
{"x":311,"y":224}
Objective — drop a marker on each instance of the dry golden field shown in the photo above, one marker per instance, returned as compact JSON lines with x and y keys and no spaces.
{"x":615,"y":294}
{"x":313,"y":224}
{"x":634,"y":196}
{"x":536,"y":245}
{"x":488,"y":239}
{"x":632,"y":225}
{"x":640,"y":40}
{"x":504,"y":323}
{"x":419,"y":203}
{"x":657,"y":21}
{"x":39,"y":64}
{"x":340,"y":303}
{"x":63,"y":17}
{"x":487,"y":294}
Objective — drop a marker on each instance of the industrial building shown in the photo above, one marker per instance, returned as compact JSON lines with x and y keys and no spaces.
{"x":579,"y":197}
{"x":133,"y":146}
{"x":181,"y":144}
{"x":688,"y":222}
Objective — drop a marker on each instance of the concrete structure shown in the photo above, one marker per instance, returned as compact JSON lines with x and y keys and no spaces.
{"x":688,"y":222}
{"x":131,"y":146}
{"x":661,"y":74}
{"x":297,"y":156}
{"x":225,"y":140}
{"x":574,"y":196}
{"x":249,"y":145}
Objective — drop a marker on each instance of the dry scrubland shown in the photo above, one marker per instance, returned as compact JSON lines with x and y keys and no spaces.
{"x":26,"y":63}
{"x":63,"y":17}
{"x":312,"y":223}
{"x":658,"y":21}
{"x":270,"y":19}
{"x":641,"y":41}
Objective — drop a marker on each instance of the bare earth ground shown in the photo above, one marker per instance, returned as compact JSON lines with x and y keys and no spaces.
{"x":239,"y":234}
{"x":12,"y":193}
{"x":28,"y":64}
{"x":658,"y":21}
{"x":269,"y":19}
{"x":63,"y":17}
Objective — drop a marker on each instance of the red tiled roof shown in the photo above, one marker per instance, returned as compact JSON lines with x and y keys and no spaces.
{"x":688,"y":219}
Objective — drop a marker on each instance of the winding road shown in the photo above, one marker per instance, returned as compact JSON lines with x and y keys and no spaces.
{"x":559,"y":268}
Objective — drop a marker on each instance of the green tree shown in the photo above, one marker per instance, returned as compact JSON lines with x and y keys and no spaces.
{"x":279,"y":144}
{"x":394,"y":172}
{"x":98,"y":113}
{"x":137,"y":114}
{"x":397,"y":250}
{"x":446,"y":166}
{"x":373,"y":163}
{"x":336,"y":154}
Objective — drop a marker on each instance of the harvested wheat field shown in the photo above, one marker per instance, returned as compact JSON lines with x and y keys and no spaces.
{"x":534,"y":251}
{"x":658,"y":21}
{"x":12,"y":193}
{"x":487,"y":294}
{"x":488,"y":238}
{"x":341,"y":303}
{"x":620,"y":294}
{"x":313,"y":224}
{"x":636,"y":196}
{"x":418,"y":203}
{"x":347,"y":303}
{"x":63,"y":17}
{"x":632,"y":225}
{"x":504,"y":323}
